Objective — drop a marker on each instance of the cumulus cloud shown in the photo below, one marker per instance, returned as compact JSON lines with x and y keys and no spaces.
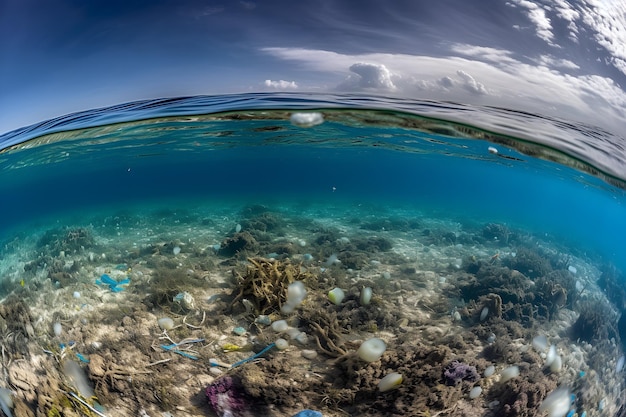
{"x":481,"y":79}
{"x":368,"y":76}
{"x":446,"y":82}
{"x":281,"y":84}
{"x":470,"y":84}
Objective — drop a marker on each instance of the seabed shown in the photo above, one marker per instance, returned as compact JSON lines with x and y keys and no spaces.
{"x":450,"y":299}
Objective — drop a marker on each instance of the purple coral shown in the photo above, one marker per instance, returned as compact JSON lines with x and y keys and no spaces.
{"x":456,"y":372}
{"x":226,"y":397}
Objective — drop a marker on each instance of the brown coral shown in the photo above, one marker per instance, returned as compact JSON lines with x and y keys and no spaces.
{"x":265,"y":282}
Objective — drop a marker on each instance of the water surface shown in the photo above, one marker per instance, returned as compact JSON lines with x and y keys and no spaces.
{"x":477,"y":229}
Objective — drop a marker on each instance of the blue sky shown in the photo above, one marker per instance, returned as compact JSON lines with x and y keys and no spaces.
{"x":563,"y":58}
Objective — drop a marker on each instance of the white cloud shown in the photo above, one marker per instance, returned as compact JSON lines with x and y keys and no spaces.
{"x":507,"y":83}
{"x":565,"y":11}
{"x":470,"y":84}
{"x":495,"y":55}
{"x":446,"y":82}
{"x":281,"y":84}
{"x":608,"y":20}
{"x":605,"y":20}
{"x":550,"y":61}
{"x":537,"y":15}
{"x":368,"y":76}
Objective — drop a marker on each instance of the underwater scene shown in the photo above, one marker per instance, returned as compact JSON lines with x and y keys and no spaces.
{"x":307,"y":255}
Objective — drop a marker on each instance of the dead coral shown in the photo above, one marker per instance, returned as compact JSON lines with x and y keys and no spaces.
{"x":166,"y":283}
{"x":325,"y":328}
{"x":497,"y":232}
{"x":522,"y":396}
{"x":68,"y":240}
{"x":422,"y":390}
{"x":596,"y":322}
{"x":264,"y":283}
{"x":529,"y":262}
{"x":493,"y":304}
{"x":242,"y":242}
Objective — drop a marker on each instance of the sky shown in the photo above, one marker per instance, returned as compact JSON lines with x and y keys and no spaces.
{"x":561,"y":58}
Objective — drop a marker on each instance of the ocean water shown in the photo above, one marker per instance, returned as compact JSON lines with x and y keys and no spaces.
{"x":477,"y":229}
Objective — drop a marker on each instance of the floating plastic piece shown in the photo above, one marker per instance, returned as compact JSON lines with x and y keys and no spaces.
{"x":308,"y":119}
{"x":239,"y":331}
{"x":571,"y":413}
{"x":308,"y":413}
{"x":114,"y":286}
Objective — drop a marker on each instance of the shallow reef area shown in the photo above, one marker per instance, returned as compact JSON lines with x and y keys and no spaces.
{"x":176,"y":312}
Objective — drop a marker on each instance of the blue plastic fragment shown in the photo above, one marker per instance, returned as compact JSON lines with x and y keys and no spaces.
{"x":82,"y":357}
{"x":571,"y":413}
{"x":256,"y":355}
{"x":114,"y":286}
{"x":308,"y":413}
{"x":572,"y":398}
{"x":172,"y":348}
{"x":581,"y":374}
{"x":584,"y":414}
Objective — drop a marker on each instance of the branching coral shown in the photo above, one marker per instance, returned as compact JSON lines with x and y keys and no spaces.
{"x":265,"y":283}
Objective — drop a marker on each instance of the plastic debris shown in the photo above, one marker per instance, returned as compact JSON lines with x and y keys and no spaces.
{"x":82,"y":357}
{"x":174,"y":347}
{"x":239,"y":331}
{"x":86,"y":404}
{"x":308,"y":413}
{"x":185,"y":300}
{"x":114,"y":286}
{"x":230,"y":347}
{"x":253,"y":357}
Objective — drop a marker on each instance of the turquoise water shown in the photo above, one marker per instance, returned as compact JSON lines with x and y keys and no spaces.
{"x":184,"y":173}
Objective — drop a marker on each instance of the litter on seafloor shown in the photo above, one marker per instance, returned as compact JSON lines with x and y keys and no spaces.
{"x":114,"y":286}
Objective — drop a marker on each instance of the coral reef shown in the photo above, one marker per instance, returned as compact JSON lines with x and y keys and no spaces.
{"x":226,"y":397}
{"x":239,"y":243}
{"x":264,"y":283}
{"x":594,"y":323}
{"x":456,"y":371}
{"x":529,"y":262}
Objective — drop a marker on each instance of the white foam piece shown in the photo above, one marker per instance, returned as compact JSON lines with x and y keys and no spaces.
{"x":557,"y":403}
{"x":307,"y":119}
{"x":540,"y":343}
